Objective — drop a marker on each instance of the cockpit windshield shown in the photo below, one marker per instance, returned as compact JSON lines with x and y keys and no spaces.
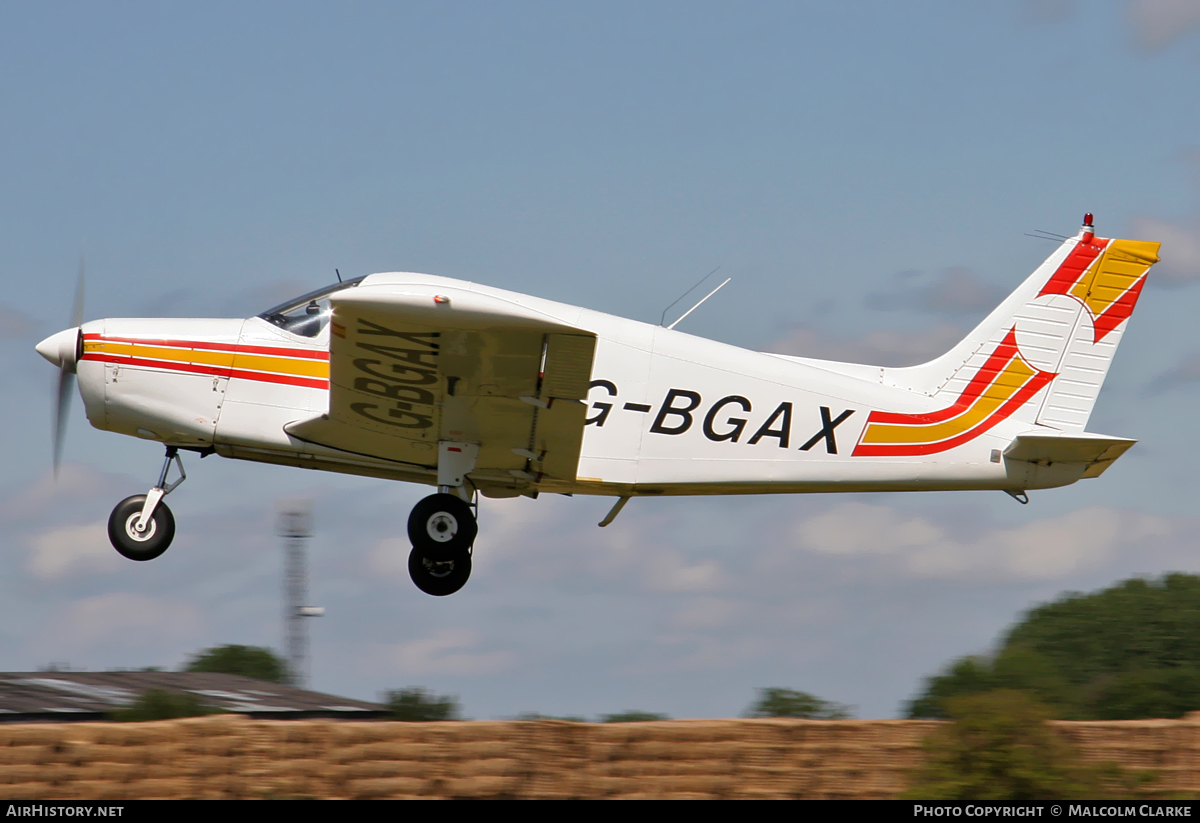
{"x":307,"y":314}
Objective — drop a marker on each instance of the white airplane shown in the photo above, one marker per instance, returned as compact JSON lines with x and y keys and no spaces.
{"x":476,"y":390}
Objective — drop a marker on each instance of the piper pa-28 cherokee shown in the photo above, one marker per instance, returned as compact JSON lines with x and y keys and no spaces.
{"x":475,"y":390}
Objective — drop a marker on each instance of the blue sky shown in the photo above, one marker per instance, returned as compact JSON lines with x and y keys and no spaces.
{"x":846,"y":164}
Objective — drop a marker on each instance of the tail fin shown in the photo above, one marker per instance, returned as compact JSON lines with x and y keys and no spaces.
{"x":1060,"y":328}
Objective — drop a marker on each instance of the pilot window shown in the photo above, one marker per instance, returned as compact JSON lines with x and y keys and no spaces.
{"x":307,"y":314}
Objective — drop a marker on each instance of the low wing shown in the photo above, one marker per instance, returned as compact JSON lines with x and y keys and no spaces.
{"x":412,"y":364}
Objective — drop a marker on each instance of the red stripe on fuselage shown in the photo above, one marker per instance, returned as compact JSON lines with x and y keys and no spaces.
{"x":983,"y":378}
{"x":233,"y":348}
{"x":1035,"y":384}
{"x":214,"y":371}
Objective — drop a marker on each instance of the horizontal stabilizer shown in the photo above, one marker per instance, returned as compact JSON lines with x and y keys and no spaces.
{"x":1096,"y":451}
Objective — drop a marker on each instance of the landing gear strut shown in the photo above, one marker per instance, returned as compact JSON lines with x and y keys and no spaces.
{"x":142,"y":527}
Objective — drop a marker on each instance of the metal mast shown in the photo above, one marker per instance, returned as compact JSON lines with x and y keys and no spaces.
{"x":294,"y":525}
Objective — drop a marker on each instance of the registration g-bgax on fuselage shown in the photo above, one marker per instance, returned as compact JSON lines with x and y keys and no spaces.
{"x":476,"y":390}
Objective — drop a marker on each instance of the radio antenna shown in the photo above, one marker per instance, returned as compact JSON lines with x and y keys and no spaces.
{"x":693,"y":308}
{"x":663,"y":320}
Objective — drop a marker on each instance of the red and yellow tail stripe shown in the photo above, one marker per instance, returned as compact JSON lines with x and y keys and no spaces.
{"x":266,"y":364}
{"x":1107,"y":277}
{"x":1000,"y":387}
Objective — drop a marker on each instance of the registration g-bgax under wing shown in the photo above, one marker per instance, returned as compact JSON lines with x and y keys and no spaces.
{"x":476,"y":390}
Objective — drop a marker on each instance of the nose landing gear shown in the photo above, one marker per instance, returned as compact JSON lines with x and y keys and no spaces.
{"x":142,"y":527}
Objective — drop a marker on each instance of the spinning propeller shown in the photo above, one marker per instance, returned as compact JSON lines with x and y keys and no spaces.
{"x":64,"y":350}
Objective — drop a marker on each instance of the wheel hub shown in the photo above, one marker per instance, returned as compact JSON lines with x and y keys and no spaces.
{"x":143,"y":535}
{"x":442,"y":527}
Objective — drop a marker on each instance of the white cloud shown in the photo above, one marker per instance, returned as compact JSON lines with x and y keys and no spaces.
{"x":446,"y":652}
{"x":956,"y":290}
{"x":122,"y":619}
{"x":880,"y":348}
{"x":1041,"y":550}
{"x":15,"y":324}
{"x":668,"y":571}
{"x":1180,"y":251}
{"x":633,"y":552}
{"x":1048,"y":11}
{"x":701,"y":651}
{"x":705,"y":613}
{"x":553,"y":541}
{"x":389,"y":557}
{"x":1187,"y":371}
{"x":75,"y":482}
{"x":1157,"y":22}
{"x":69,"y":550}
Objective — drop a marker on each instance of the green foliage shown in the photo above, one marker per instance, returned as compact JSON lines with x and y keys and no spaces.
{"x":159,"y":704}
{"x":1015,"y":668}
{"x":1129,"y":651}
{"x":1000,"y":747}
{"x":790,"y":703}
{"x":248,"y":661}
{"x":419,"y":705}
{"x":571,"y":718}
{"x":632,"y":716}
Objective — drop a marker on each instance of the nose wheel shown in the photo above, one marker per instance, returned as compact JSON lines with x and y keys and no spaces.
{"x":148,"y":542}
{"x":442,"y":530}
{"x":142,"y":527}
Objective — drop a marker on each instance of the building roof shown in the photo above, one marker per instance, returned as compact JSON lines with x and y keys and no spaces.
{"x":65,"y":696}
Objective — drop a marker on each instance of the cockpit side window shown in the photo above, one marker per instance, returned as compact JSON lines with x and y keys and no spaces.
{"x":307,"y":314}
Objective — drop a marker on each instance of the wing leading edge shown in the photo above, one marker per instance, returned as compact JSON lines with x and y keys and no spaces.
{"x":415,"y":364}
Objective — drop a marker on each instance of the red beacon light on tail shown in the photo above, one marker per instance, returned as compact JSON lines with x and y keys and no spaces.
{"x":1088,"y":231}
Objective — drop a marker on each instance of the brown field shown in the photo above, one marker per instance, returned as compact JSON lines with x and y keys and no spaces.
{"x":230,"y":756}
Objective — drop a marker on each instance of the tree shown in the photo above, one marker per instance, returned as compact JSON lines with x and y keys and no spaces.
{"x":248,"y":661}
{"x":159,"y":704}
{"x":789,"y":703}
{"x":632,"y":716}
{"x":570,"y":718}
{"x":1015,"y":668}
{"x":419,"y":705}
{"x":1129,"y":651}
{"x":1000,"y":747}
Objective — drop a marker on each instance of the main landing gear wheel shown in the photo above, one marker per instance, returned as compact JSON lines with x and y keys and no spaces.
{"x":439,"y":577}
{"x":143,"y":545}
{"x":442,"y":527}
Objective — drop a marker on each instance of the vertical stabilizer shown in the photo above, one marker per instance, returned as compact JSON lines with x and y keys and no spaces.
{"x":1059,"y":329}
{"x":1038,"y":359}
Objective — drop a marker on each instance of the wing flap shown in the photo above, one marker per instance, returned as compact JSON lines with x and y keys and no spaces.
{"x":407,"y":371}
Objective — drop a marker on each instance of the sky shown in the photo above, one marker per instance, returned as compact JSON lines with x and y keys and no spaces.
{"x":867,"y":174}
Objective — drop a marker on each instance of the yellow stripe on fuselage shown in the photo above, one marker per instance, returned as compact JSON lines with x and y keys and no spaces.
{"x":1015,"y":375}
{"x":218,"y":359}
{"x":282,"y":365}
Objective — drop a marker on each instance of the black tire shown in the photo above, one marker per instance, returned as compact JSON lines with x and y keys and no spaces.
{"x":129,"y":543}
{"x":439,"y":577}
{"x":442,"y":526}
